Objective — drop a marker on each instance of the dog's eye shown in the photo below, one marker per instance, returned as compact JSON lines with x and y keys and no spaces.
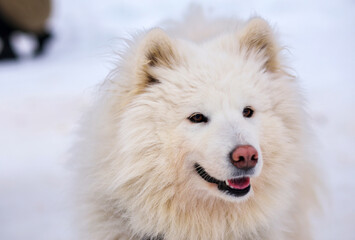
{"x":198,"y":118}
{"x":248,"y":112}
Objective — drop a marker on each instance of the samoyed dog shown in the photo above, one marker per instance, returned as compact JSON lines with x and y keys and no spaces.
{"x":200,"y":133}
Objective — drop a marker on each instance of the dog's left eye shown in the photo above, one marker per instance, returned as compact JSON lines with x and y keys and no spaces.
{"x":248,"y":112}
{"x":198,"y":118}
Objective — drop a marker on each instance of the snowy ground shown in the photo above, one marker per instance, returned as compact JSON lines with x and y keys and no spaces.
{"x":41,"y":100}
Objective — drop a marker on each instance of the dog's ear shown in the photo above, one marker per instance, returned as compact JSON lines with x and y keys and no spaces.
{"x":256,"y":37}
{"x":155,"y":50}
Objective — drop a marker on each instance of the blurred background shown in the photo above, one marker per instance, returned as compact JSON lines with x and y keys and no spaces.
{"x":42,"y":99}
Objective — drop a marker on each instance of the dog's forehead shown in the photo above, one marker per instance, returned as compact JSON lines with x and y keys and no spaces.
{"x":222,"y":73}
{"x":213,"y":78}
{"x":209,"y":91}
{"x":222,"y":69}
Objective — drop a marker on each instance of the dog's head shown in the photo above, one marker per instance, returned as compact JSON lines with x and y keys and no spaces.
{"x":205,"y":116}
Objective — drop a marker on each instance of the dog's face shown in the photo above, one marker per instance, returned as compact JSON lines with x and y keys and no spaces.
{"x":214,"y":117}
{"x":220,"y":127}
{"x":208,"y":106}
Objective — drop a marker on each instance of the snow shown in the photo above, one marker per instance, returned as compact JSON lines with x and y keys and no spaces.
{"x":42,"y":99}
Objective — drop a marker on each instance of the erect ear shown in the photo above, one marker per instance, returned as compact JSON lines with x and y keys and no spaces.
{"x":257,"y":37}
{"x":155,"y":50}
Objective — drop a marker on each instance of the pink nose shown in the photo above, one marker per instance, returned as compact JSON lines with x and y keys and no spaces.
{"x":244,"y":157}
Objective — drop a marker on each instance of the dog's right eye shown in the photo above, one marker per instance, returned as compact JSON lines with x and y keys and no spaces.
{"x":198,"y":118}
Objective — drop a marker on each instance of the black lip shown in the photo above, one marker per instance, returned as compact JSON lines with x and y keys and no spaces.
{"x":222,"y":186}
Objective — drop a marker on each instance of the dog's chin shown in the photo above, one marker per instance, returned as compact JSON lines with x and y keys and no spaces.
{"x":235,"y":189}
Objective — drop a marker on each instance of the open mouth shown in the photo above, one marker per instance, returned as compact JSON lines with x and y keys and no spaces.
{"x":236,"y":187}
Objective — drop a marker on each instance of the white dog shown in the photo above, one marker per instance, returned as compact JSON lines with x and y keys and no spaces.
{"x":200,"y":133}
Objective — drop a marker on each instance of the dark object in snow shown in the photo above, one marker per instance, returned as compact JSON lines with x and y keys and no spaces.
{"x":28,"y":16}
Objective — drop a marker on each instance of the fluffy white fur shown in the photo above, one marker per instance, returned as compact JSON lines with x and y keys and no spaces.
{"x":137,"y":149}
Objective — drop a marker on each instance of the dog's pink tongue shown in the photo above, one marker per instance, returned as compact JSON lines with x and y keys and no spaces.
{"x":239,"y":183}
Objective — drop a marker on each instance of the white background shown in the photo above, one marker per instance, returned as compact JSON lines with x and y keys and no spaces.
{"x":41,"y":101}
